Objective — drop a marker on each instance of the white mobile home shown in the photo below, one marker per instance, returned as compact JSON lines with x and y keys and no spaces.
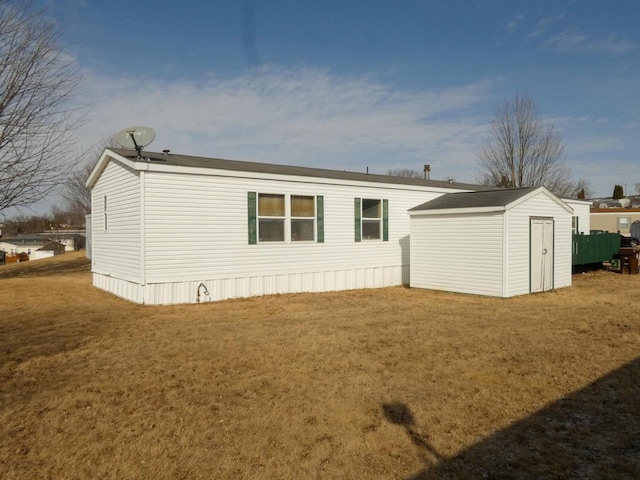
{"x":169,"y":228}
{"x":511,"y":242}
{"x":177,"y":229}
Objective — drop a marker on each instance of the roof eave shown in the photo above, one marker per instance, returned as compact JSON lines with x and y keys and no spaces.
{"x":456,"y":211}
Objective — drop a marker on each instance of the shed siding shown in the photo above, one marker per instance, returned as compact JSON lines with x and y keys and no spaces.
{"x":197,"y":231}
{"x":518,"y":268}
{"x":444,"y":255}
{"x":116,"y":251}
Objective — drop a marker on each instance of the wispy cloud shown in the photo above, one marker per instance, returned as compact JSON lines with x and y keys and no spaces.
{"x":572,"y":40}
{"x":301,"y":116}
{"x":512,"y":25}
{"x":544,"y":24}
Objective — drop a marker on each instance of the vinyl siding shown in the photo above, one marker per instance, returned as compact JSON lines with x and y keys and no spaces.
{"x":518,"y":255}
{"x":582,"y":210}
{"x":116,"y":251}
{"x":458,"y":253}
{"x":197,"y":231}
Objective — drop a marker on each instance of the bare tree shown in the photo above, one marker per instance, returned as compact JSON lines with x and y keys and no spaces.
{"x":36,"y":121}
{"x":405,"y":172}
{"x":76,"y":197}
{"x":637,"y":186}
{"x":523,"y":151}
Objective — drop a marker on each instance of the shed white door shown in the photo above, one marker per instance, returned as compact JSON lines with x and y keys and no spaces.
{"x":541,"y":254}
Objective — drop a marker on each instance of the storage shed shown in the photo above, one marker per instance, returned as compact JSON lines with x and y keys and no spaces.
{"x":499,"y":243}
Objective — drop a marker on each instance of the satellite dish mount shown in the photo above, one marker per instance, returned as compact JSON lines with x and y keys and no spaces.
{"x":136,"y":137}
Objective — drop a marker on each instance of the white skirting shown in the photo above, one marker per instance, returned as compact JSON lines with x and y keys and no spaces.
{"x":227,"y":288}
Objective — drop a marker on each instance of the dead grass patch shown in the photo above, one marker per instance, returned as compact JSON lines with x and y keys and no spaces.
{"x":386,"y":383}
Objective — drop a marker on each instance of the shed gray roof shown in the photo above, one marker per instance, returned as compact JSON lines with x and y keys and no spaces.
{"x":241,"y":166}
{"x":490,"y":198}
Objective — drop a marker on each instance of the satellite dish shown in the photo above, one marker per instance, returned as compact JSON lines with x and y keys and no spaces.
{"x":136,"y":137}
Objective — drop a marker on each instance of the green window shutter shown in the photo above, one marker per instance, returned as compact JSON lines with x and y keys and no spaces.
{"x":320,"y":218}
{"x":385,"y":220}
{"x":357,"y":215}
{"x":251,"y":214}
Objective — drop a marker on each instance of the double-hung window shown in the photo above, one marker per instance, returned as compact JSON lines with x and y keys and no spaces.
{"x":371,"y":219}
{"x":279,"y":217}
{"x":271,"y":217}
{"x":303,"y":218}
{"x":623,"y":224}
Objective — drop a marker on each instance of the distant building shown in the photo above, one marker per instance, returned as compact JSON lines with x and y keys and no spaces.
{"x":34,"y":247}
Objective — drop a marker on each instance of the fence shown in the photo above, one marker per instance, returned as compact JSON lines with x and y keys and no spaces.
{"x":594,"y":248}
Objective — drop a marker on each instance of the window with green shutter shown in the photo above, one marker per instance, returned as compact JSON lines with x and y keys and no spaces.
{"x":285,"y":218}
{"x":371,"y":219}
{"x":358,"y":216}
{"x":252,"y":219}
{"x":320,"y":218}
{"x":385,"y":220}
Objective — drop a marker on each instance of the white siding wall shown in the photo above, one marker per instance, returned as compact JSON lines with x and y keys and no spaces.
{"x":116,"y":252}
{"x":197,"y":231}
{"x":582,"y":210}
{"x":458,"y":253}
{"x":39,"y":254}
{"x":517,"y":224}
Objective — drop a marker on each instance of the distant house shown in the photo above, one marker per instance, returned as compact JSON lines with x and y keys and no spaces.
{"x":614,"y":219}
{"x":71,"y":239}
{"x":247,"y":229}
{"x":34,"y":247}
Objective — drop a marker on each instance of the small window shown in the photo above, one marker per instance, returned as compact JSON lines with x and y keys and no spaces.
{"x":271,"y":217}
{"x":574,"y":225}
{"x":371,"y":219}
{"x":623,"y":224}
{"x":104,"y":210}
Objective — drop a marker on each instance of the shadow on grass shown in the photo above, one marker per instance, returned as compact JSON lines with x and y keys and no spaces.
{"x":589,"y":434}
{"x":45,"y":268}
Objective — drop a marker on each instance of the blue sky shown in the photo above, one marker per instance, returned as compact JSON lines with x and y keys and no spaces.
{"x":356,"y":84}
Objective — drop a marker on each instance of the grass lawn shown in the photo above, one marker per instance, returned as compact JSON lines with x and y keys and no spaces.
{"x":369,"y":384}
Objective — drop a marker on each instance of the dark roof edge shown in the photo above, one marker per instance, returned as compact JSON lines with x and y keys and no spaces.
{"x":257,"y":167}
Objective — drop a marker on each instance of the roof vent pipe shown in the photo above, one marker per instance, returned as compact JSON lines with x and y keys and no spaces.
{"x":166,"y":151}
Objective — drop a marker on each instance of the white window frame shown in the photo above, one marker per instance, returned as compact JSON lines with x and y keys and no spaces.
{"x":628,"y":223}
{"x":575,"y":225}
{"x":291,"y":218}
{"x":371,"y":219}
{"x":287,"y":218}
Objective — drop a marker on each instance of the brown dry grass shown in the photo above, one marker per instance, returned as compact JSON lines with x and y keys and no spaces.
{"x":387,"y":383}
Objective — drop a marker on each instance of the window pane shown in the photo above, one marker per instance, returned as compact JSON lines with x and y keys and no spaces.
{"x":270,"y":205}
{"x":623,"y":223}
{"x":371,"y":229}
{"x":302,"y":230}
{"x":271,"y":230}
{"x":302,"y":206}
{"x":370,"y":208}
